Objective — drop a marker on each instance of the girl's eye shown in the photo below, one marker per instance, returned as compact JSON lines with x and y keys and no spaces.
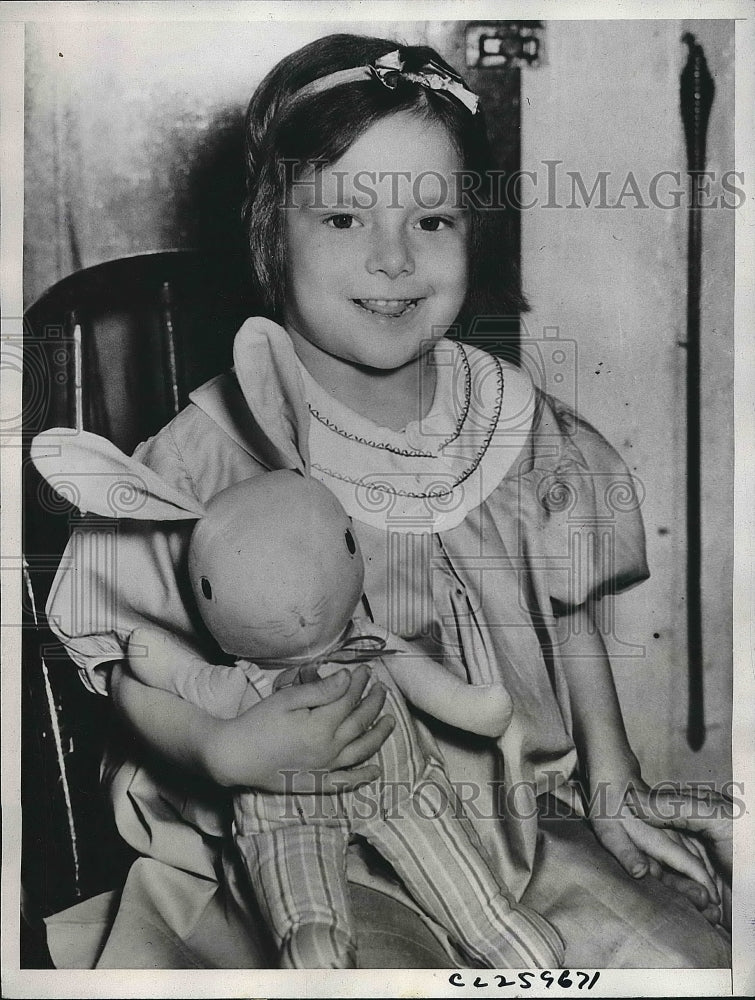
{"x":342,"y":221}
{"x":434,"y":223}
{"x":351,"y":545}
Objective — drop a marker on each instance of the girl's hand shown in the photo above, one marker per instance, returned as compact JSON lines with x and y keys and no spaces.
{"x":642,"y":849}
{"x":707,"y":819}
{"x":306,"y":738}
{"x":614,"y":770}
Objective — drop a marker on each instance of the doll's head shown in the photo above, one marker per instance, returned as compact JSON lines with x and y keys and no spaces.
{"x":275,"y":568}
{"x":295,"y":127}
{"x":273,"y":562}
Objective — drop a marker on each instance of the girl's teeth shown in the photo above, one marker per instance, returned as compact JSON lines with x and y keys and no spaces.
{"x":387,"y":307}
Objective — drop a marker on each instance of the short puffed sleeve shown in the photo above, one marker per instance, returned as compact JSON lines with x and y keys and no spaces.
{"x":116,"y":575}
{"x":578,"y":507}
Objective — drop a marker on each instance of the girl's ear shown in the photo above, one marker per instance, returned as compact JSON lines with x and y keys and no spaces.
{"x":268,"y":373}
{"x":94,"y":475}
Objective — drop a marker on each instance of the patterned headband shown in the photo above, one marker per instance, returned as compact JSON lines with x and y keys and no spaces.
{"x":389,"y":70}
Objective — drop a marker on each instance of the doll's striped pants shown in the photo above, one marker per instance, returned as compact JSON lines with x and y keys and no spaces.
{"x":294,"y":849}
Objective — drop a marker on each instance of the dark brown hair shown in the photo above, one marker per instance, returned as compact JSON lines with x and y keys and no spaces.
{"x":321,"y":127}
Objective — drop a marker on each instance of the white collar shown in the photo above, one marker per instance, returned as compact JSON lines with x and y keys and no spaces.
{"x":430,"y":475}
{"x":425,"y":478}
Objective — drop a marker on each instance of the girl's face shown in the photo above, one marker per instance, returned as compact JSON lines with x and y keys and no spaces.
{"x":376,"y":247}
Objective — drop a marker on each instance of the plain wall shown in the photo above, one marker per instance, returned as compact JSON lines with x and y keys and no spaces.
{"x":613,"y":281}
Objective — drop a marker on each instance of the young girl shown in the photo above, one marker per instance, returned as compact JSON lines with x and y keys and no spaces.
{"x":477,"y":502}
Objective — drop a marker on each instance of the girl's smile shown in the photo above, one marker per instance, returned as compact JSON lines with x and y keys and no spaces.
{"x":376,"y":274}
{"x":393,"y":308}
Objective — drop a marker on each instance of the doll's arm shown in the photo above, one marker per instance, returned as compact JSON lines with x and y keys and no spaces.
{"x":484,"y":709}
{"x":159,"y":660}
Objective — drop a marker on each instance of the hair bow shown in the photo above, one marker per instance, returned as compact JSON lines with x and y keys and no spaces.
{"x":389,"y":69}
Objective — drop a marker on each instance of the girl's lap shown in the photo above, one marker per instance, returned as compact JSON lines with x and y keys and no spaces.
{"x":169,"y":919}
{"x":391,"y":936}
{"x":607,"y":918}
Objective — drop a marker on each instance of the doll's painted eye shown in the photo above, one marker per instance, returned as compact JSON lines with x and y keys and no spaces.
{"x":351,"y":545}
{"x":206,"y":588}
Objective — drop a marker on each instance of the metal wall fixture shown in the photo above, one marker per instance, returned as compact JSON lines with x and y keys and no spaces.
{"x":504,"y":44}
{"x":696,"y":92}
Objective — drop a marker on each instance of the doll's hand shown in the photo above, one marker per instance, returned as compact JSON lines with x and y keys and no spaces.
{"x":160,"y":660}
{"x":306,"y":738}
{"x":642,"y":849}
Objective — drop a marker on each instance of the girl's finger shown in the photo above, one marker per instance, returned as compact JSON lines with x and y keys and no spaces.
{"x":713,"y":914}
{"x":366,"y":745}
{"x":673,"y":855}
{"x":697,"y":847}
{"x":709,"y":818}
{"x":654,"y":869}
{"x":668,"y":810}
{"x":362,"y":718}
{"x":614,"y":838}
{"x":694,"y":892}
{"x":689,"y":843}
{"x":336,"y":712}
{"x":319,"y":693}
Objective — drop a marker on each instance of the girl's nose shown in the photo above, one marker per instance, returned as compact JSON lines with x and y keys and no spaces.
{"x":390,"y":254}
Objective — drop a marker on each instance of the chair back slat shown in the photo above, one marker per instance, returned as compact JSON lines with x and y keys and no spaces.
{"x":76,"y":383}
{"x":173,"y":380}
{"x":53,"y":731}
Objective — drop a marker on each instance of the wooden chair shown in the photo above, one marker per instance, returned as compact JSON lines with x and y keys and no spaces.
{"x":114,"y":349}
